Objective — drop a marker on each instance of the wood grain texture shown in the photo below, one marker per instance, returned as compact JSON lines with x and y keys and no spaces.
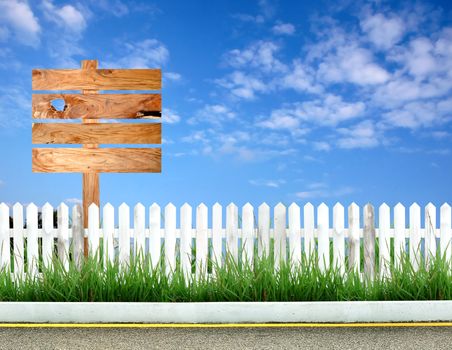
{"x":96,"y":79}
{"x":111,"y":106}
{"x":102,"y":133}
{"x":104,"y":160}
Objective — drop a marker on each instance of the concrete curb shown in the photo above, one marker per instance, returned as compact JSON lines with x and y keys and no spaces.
{"x":227,"y":312}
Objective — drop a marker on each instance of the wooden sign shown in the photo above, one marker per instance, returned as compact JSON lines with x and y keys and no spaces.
{"x":90,"y":108}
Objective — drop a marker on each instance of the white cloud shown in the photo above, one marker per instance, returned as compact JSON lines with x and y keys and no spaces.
{"x":259,"y":19}
{"x":73,"y":201}
{"x":259,"y":55}
{"x":242,"y":85}
{"x":149,"y":53}
{"x":215,"y":114}
{"x":353,"y":65}
{"x":361,"y":135}
{"x":300,"y":78}
{"x":324,"y":192}
{"x":383,"y":31}
{"x":321,"y":146}
{"x":66,"y":16}
{"x":267,"y":183}
{"x":283,"y":29}
{"x":170,"y":117}
{"x":172,"y":76}
{"x":18,"y":17}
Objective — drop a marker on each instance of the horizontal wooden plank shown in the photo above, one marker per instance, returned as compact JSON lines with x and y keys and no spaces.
{"x":111,"y":106}
{"x":103,"y":160}
{"x":116,"y":133}
{"x":96,"y":79}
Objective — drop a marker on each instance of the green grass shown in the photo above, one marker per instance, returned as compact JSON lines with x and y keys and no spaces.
{"x":232,"y":282}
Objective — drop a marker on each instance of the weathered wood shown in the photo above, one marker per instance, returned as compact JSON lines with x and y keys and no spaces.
{"x":248,"y":234}
{"x":353,"y":238}
{"x":323,"y":237}
{"x":280,"y":234}
{"x":399,"y":234}
{"x":63,"y":235}
{"x":96,"y":79}
{"x":338,"y":238}
{"x":202,"y":251}
{"x":369,"y":241}
{"x":50,"y":133}
{"x":263,"y":241}
{"x":383,"y":240}
{"x":107,"y":160}
{"x":77,"y":234}
{"x":186,"y":228}
{"x":109,"y":106}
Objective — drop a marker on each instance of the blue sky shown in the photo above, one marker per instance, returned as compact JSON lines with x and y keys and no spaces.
{"x":263,"y":100}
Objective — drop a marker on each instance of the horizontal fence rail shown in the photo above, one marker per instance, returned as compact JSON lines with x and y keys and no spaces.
{"x":35,"y":238}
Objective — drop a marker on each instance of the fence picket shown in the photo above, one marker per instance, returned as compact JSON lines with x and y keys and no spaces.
{"x":232,"y":222}
{"x":309,"y":241}
{"x":263,"y":234}
{"x":323,"y":236}
{"x":294,"y":236}
{"x":124,"y":235}
{"x":415,"y":235}
{"x":280,"y":234}
{"x":18,"y":236}
{"x":248,"y":234}
{"x":93,"y":229}
{"x":139,"y":225}
{"x":63,"y":235}
{"x":47,"y":234}
{"x":4,"y":237}
{"x":369,"y":241}
{"x":399,"y":234}
{"x":108,"y":227}
{"x":202,"y":251}
{"x":446,"y":232}
{"x":430,"y":236}
{"x":338,"y":237}
{"x":155,"y":235}
{"x":353,"y":237}
{"x":77,"y":234}
{"x":383,"y":240}
{"x":170,"y":238}
{"x":186,"y":240}
{"x":32,"y":239}
{"x":217,"y":235}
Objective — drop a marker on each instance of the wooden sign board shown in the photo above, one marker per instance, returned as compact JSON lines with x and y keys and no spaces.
{"x":90,"y":108}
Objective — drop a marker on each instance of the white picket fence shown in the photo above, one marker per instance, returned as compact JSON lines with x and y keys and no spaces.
{"x":239,"y":235}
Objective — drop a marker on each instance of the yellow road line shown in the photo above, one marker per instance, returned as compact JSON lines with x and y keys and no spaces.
{"x":223,"y":325}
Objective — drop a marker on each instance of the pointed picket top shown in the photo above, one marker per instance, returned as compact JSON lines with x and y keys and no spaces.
{"x":17,"y":207}
{"x":248,"y":207}
{"x":108,"y":206}
{"x":309,"y":206}
{"x":280,"y":207}
{"x":32,"y":207}
{"x":202,"y":206}
{"x":384,"y":207}
{"x":63,"y":206}
{"x":185,"y":206}
{"x":294,"y":207}
{"x":339,"y":206}
{"x":445,"y":207}
{"x":154,"y":206}
{"x":123,"y":207}
{"x":47,"y":206}
{"x":354,"y":206}
{"x":323,"y":205}
{"x":415,"y":207}
{"x":368,"y":211}
{"x":216,"y":206}
{"x":231,"y":206}
{"x":47,"y":217}
{"x":399,"y":206}
{"x":264,"y":206}
{"x":170,"y":206}
{"x":3,"y":206}
{"x":139,"y":207}
{"x":338,"y":216}
{"x":430,"y":209}
{"x":92,"y":207}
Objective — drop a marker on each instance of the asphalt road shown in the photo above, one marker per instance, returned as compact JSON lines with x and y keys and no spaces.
{"x":226,"y":338}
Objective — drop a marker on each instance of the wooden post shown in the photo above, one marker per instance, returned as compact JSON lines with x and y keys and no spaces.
{"x":90,"y":180}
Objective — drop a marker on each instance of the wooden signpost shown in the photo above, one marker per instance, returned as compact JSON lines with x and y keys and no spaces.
{"x":91,"y":107}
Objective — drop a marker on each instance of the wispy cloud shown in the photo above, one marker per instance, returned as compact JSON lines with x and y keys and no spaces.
{"x":267,"y":183}
{"x":67,"y":17}
{"x":322,"y":190}
{"x":148,"y":53}
{"x":17,"y":19}
{"x":170,"y":117}
{"x":283,"y":29}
